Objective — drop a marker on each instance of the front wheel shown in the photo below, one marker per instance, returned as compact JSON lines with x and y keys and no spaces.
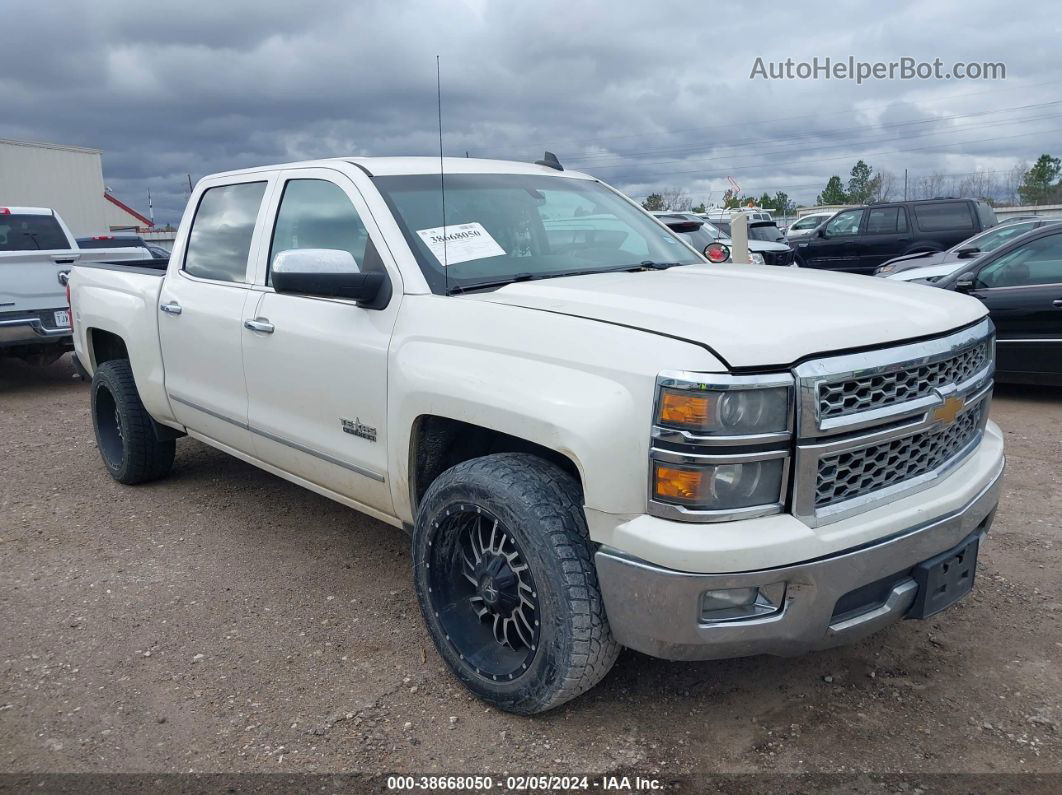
{"x":504,"y":575}
{"x":124,"y":433}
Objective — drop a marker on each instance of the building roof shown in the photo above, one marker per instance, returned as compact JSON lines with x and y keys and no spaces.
{"x":43,"y":145}
{"x":123,"y":206}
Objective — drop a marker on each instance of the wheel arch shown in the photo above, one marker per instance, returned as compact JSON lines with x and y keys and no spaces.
{"x":104,"y":346}
{"x":437,"y":443}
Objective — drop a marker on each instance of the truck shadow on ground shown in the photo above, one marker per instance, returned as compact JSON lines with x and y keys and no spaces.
{"x":18,"y":377}
{"x":266,"y":525}
{"x":364,"y":561}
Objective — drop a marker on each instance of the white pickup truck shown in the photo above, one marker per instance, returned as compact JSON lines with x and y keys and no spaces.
{"x":595,"y":437}
{"x":36,"y":252}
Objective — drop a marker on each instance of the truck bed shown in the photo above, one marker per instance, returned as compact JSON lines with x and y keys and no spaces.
{"x":122,"y":298}
{"x":149,"y":267}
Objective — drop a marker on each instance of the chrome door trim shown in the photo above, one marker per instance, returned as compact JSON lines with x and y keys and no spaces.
{"x":281,"y":440}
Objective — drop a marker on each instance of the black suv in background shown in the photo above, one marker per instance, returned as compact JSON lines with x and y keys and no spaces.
{"x":860,"y":239}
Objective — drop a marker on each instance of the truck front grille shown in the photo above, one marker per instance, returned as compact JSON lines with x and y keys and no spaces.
{"x":851,"y":395}
{"x":882,"y":423}
{"x":868,"y":469}
{"x":782,"y":258}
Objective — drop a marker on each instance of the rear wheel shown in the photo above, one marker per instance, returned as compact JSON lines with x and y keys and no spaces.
{"x":504,"y":575}
{"x":125,"y":435}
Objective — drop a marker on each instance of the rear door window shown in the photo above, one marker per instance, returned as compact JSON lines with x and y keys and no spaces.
{"x":31,"y":233}
{"x":220,"y":240}
{"x":944,"y":216}
{"x":884,"y":221}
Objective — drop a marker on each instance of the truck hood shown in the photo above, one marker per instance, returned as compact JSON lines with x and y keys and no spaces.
{"x":751,"y":315}
{"x":759,"y":246}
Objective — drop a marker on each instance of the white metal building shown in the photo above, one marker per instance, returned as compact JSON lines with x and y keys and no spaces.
{"x":69,"y":179}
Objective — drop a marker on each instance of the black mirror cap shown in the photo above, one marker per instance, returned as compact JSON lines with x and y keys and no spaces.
{"x":821,"y":231}
{"x":968,"y":253}
{"x":368,"y":289}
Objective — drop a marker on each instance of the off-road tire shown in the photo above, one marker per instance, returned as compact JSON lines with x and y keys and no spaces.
{"x":540,"y":505}
{"x":125,"y":434}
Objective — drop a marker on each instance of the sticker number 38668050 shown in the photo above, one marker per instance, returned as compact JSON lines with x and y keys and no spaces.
{"x":460,"y":243}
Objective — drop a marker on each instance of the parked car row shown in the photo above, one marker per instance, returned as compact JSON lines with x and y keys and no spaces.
{"x":860,"y":239}
{"x":712,"y":240}
{"x":932,"y":266}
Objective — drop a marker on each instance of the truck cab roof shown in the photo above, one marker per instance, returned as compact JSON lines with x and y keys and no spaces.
{"x":400,"y":166}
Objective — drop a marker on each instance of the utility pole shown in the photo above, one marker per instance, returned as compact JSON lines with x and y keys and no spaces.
{"x":905,"y":184}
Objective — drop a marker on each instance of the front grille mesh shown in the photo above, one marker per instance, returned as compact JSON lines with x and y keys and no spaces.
{"x":783,"y":258}
{"x":850,"y":396}
{"x":857,"y":472}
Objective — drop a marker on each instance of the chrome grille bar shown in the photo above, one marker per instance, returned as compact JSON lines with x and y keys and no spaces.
{"x":888,"y":441}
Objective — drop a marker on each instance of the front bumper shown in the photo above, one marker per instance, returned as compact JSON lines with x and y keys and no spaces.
{"x":658,"y":611}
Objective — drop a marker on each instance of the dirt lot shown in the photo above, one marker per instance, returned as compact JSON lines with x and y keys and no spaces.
{"x":225,"y":620}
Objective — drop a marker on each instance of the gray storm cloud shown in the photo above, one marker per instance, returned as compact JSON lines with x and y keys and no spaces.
{"x":644,"y":95}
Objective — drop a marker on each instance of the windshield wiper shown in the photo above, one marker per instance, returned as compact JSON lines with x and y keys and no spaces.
{"x":464,"y":288}
{"x":651,"y":265}
{"x":647,"y":265}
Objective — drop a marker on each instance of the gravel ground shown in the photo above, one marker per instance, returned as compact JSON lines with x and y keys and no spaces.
{"x":226,"y":620}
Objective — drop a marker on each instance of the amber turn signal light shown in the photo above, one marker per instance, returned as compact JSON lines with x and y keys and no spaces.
{"x":684,"y":409}
{"x":679,"y":485}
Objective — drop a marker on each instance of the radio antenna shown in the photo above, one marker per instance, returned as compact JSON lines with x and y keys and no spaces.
{"x":442,"y":179}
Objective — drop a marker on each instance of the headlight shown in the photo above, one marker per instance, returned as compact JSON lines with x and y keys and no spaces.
{"x":723,"y":486}
{"x":755,"y":259}
{"x":720,"y":445}
{"x":724,"y":412}
{"x":885,"y":269}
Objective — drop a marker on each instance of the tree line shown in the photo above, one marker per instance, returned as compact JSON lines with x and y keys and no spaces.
{"x":1040,"y":183}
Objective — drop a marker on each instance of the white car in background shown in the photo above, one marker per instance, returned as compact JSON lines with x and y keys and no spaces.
{"x":36,"y":252}
{"x":804,"y":226}
{"x":716,"y":245}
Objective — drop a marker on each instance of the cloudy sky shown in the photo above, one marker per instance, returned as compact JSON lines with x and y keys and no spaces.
{"x":647,"y":96}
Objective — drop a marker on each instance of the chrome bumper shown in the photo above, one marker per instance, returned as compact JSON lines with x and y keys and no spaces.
{"x":658,"y":611}
{"x":20,"y":331}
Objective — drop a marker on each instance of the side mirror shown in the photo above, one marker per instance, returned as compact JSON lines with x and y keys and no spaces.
{"x":327,"y":272}
{"x":968,"y":253}
{"x":820,"y":232}
{"x":966,"y":282}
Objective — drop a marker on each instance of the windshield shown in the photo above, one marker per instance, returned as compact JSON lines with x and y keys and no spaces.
{"x":31,"y":233}
{"x":507,"y":227}
{"x":994,"y":238}
{"x":766,"y":232}
{"x":701,"y":238}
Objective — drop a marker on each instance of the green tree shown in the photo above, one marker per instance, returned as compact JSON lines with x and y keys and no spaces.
{"x":861,"y":184}
{"x":654,"y":202}
{"x":698,"y":209}
{"x":833,"y":193}
{"x":783,"y":204}
{"x":1040,"y":183}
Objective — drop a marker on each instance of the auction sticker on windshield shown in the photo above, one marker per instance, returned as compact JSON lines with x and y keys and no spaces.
{"x":460,"y":243}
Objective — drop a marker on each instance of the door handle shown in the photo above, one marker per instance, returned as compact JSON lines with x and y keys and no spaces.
{"x":172,"y":308}
{"x":259,"y":324}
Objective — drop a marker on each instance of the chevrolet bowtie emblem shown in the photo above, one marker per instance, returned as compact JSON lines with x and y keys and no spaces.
{"x":947,"y":411}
